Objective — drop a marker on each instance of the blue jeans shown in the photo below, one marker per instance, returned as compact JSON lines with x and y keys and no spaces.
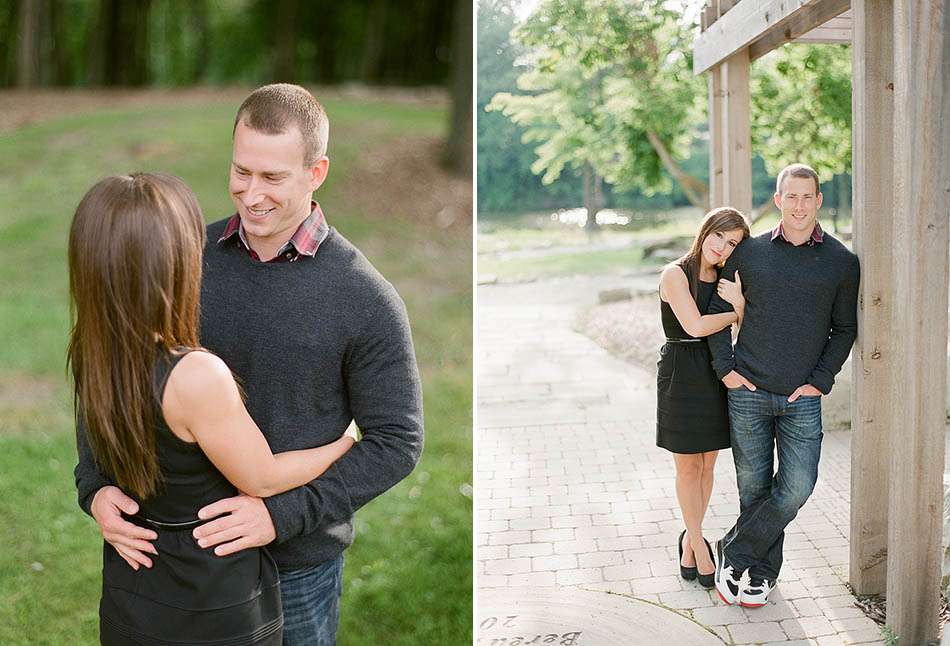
{"x":310,"y":599}
{"x":769,"y":499}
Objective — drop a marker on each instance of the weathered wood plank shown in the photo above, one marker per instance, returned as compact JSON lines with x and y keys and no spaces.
{"x":872,"y":109}
{"x":751,"y":20}
{"x":726,"y":5}
{"x":824,"y":36}
{"x":736,"y":133}
{"x":803,"y":25}
{"x":921,"y":235}
{"x":716,"y":103}
{"x":707,"y":16}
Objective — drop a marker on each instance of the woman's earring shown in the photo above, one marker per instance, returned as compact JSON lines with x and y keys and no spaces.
{"x":721,"y":264}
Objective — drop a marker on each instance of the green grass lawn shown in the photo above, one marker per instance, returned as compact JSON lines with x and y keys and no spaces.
{"x":408,"y":576}
{"x":596,"y":262}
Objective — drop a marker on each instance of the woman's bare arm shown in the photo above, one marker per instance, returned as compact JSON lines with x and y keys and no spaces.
{"x":202,"y":402}
{"x":674,"y":289}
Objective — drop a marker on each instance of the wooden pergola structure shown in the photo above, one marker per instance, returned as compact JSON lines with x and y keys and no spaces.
{"x":901,"y":206}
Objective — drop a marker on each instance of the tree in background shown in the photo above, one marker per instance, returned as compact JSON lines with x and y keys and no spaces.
{"x":182,"y":42}
{"x":458,"y":152}
{"x":609,"y":92}
{"x":120,"y":44}
{"x":505,"y":180}
{"x":644,"y":132}
{"x":801,"y":112}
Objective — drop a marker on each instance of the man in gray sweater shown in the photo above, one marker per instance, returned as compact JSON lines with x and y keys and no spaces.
{"x":801,"y":290}
{"x":318,"y":338}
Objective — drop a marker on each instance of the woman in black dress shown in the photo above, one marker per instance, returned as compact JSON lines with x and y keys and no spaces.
{"x":692,"y":420}
{"x":166,"y":421}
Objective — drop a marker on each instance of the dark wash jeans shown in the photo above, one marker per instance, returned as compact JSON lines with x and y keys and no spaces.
{"x":769,"y":500}
{"x":310,"y":600}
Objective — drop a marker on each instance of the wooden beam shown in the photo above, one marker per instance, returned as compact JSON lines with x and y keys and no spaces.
{"x":726,"y":5}
{"x":921,"y":235}
{"x":753,"y":20}
{"x":736,"y":133}
{"x":872,"y":360}
{"x":716,"y":105}
{"x":823,"y":36}
{"x":807,"y":21}
{"x":707,"y":17}
{"x":843,"y":21}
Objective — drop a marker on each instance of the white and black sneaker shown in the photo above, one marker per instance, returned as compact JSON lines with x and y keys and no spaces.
{"x":727,"y":584}
{"x":755,"y":594}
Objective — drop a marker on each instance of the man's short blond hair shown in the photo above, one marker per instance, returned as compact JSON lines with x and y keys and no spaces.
{"x":796,"y":170}
{"x":274,"y":109}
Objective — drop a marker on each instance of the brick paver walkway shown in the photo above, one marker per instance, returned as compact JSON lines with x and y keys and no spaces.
{"x":572,"y":492}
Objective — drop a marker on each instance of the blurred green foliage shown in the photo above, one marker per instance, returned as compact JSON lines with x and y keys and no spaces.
{"x":184,"y":42}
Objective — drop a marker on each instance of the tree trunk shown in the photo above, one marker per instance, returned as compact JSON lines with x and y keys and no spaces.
{"x":286,"y":41}
{"x":199,"y":15}
{"x":132,"y":42}
{"x":122,"y":51}
{"x":458,"y":148}
{"x":327,"y":25}
{"x":695,"y":190}
{"x":374,"y":41}
{"x":62,"y":70}
{"x":598,"y":193}
{"x":590,"y":198}
{"x":28,"y":44}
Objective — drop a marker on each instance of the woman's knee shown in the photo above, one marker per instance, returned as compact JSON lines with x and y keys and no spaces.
{"x":689,"y":467}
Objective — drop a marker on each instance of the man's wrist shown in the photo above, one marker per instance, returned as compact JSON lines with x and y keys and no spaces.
{"x":90,"y":500}
{"x":722,"y":373}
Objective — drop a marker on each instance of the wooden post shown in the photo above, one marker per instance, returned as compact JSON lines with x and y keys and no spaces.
{"x":872,"y":102}
{"x":920,"y":247}
{"x":716,"y":189}
{"x":736,"y":135}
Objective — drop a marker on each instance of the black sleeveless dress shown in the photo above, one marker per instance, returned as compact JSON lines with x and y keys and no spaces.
{"x":189,"y":595}
{"x":691,"y":410}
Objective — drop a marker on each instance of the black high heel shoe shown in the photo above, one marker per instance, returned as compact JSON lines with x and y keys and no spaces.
{"x":707,"y":580}
{"x":688,"y":573}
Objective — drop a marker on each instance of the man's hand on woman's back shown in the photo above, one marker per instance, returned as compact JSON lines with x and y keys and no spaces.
{"x":128,"y":539}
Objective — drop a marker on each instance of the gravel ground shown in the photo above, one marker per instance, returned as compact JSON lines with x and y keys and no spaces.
{"x":627,"y":329}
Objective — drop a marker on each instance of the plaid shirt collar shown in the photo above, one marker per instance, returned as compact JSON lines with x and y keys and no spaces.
{"x":817,"y":235}
{"x":305,"y":241}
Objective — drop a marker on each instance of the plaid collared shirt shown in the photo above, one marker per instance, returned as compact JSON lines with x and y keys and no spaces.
{"x":305,"y":241}
{"x":817,"y":235}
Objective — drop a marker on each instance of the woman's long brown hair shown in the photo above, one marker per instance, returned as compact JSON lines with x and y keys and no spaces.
{"x":724,"y":218}
{"x":134,"y":279}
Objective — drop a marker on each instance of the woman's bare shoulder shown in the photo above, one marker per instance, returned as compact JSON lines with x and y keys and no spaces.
{"x":200,"y":380}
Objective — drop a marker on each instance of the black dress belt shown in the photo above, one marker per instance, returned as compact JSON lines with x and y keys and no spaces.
{"x":170,"y":527}
{"x":668,"y":340}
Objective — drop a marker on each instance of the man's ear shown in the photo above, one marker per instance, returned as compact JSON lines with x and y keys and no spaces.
{"x":818,"y":199}
{"x":777,"y":198}
{"x":318,"y":172}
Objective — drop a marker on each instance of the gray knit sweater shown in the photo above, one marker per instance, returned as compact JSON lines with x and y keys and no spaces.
{"x":800,"y":316}
{"x":315,"y":343}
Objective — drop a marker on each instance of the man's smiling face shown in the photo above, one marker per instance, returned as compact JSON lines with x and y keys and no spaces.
{"x":799,"y":202}
{"x":269,"y":184}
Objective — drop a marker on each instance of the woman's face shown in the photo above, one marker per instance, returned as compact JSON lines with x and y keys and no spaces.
{"x":718,"y":245}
